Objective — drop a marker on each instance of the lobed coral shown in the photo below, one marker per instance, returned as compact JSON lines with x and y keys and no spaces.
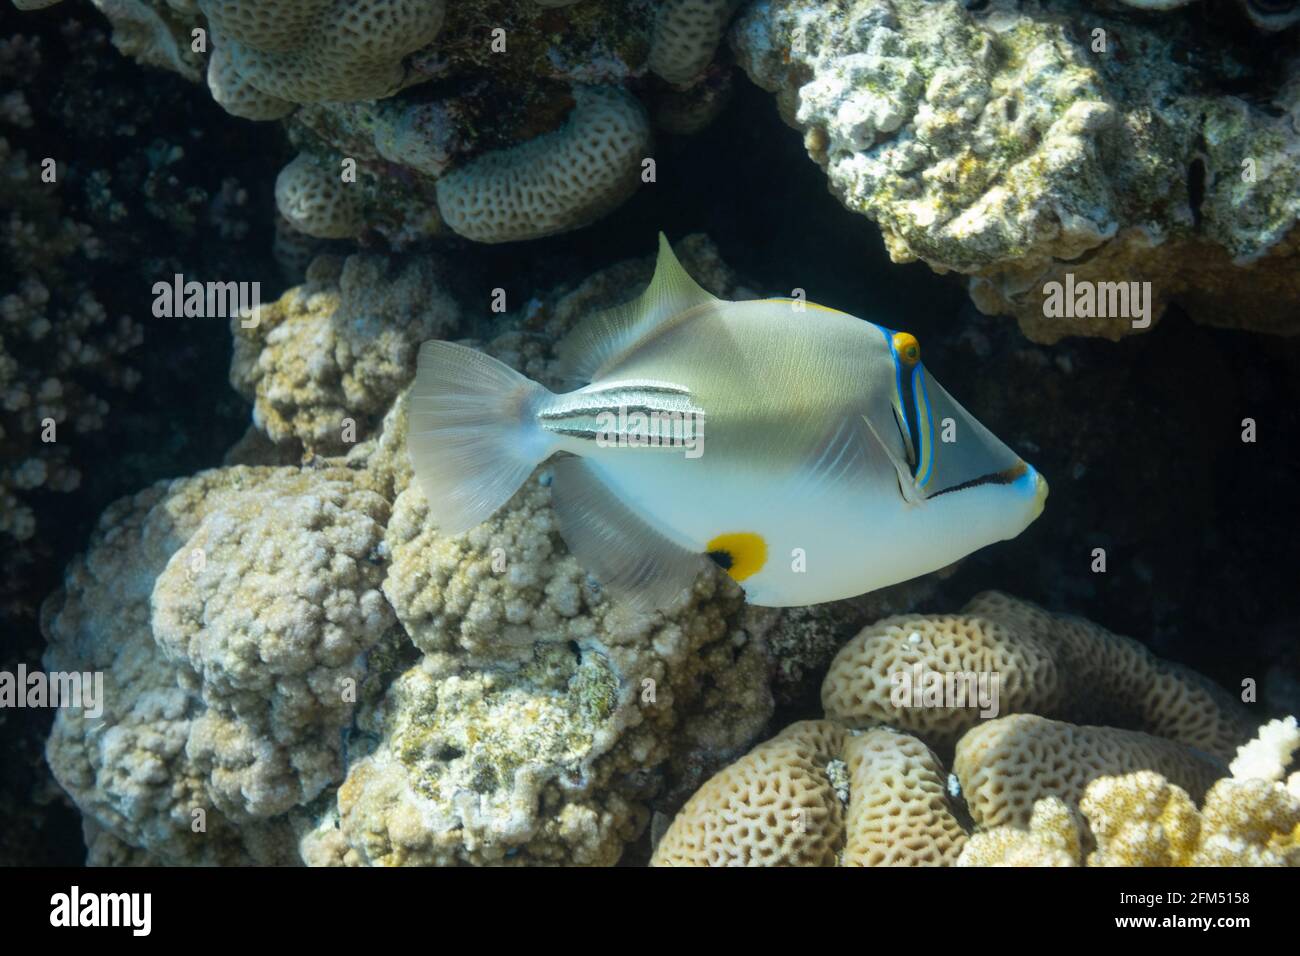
{"x":1046,"y":664}
{"x":817,"y":795}
{"x":1006,"y":765}
{"x":228,"y":611}
{"x":307,"y":51}
{"x":556,"y":182}
{"x":1018,"y":144}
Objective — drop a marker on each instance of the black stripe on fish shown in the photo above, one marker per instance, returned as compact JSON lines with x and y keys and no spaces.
{"x":1005,"y":477}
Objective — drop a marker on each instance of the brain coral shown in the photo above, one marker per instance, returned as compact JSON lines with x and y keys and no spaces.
{"x":1141,"y":819}
{"x":1006,"y":765}
{"x":317,"y":201}
{"x":339,"y":348}
{"x":999,"y":143}
{"x":555,"y":182}
{"x":784,"y":804}
{"x":305,"y":51}
{"x":686,"y":34}
{"x":1052,"y":665}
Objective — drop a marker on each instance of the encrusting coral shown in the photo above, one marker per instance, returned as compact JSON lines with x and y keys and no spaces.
{"x":1047,"y":664}
{"x":324,"y":363}
{"x":1020,"y":144}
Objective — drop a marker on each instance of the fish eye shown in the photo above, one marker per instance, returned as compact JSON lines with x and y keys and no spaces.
{"x":907,"y":347}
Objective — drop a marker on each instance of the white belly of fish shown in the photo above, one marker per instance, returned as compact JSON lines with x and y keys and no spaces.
{"x":815,"y":550}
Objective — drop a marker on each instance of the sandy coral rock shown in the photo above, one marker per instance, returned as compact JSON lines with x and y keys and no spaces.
{"x":307,"y":51}
{"x":218,"y":707}
{"x":338,"y":349}
{"x":316,"y":200}
{"x":998,"y":144}
{"x":817,"y":795}
{"x":555,"y":182}
{"x":1006,"y":765}
{"x":1052,"y":839}
{"x":550,"y":753}
{"x":1048,"y":664}
{"x":269,"y":607}
{"x":127,"y":769}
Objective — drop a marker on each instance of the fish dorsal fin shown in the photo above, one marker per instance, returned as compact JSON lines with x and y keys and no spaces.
{"x":604,"y":337}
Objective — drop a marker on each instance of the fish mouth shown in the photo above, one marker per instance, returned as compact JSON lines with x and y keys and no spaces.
{"x":1040,"y":494}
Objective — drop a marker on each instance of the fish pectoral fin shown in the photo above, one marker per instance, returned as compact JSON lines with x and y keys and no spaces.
{"x":635,"y":563}
{"x":907,"y":488}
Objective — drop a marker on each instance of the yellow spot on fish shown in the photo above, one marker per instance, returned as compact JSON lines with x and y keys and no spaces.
{"x":740,"y":554}
{"x":907,"y":347}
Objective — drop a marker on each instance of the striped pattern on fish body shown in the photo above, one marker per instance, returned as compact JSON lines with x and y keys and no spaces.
{"x":796,"y":447}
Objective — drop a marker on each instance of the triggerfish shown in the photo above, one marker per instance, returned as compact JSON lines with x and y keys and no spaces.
{"x":804,"y":450}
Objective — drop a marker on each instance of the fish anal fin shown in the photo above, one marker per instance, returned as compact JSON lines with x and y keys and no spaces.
{"x":607,"y":335}
{"x":637,"y":565}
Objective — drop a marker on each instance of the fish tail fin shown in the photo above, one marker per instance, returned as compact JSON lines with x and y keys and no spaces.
{"x":473,"y":437}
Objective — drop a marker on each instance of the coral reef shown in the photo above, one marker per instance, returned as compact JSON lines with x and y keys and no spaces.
{"x":60,"y":350}
{"x":508,"y":120}
{"x":228,"y":612}
{"x":1019,"y":144}
{"x":302,"y":657}
{"x":1006,"y":765}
